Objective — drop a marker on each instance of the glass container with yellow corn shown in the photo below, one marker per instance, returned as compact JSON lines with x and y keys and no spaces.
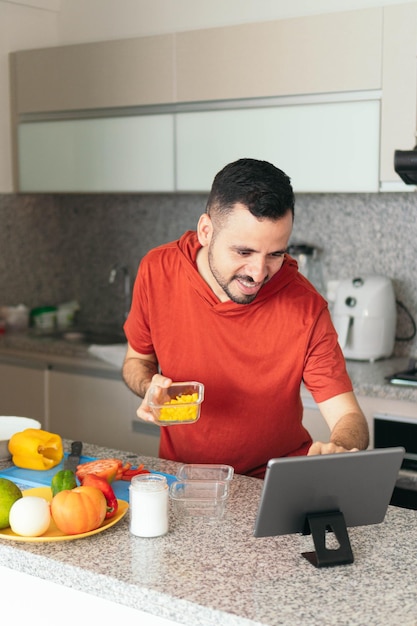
{"x":179,"y":403}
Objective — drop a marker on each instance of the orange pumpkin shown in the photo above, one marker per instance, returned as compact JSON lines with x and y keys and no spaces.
{"x":78,"y":510}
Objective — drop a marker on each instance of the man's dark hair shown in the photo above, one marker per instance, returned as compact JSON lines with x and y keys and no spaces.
{"x":263,"y":188}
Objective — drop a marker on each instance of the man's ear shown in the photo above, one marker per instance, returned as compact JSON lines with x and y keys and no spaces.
{"x":204,"y":229}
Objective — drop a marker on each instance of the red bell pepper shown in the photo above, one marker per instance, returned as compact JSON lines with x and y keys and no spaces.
{"x":130,"y":472}
{"x":92,"y":480}
{"x":109,"y":469}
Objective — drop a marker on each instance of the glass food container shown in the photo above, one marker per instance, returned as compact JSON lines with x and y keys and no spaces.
{"x":179,"y":403}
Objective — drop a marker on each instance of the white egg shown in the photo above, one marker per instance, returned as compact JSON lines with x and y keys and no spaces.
{"x":31,"y":518}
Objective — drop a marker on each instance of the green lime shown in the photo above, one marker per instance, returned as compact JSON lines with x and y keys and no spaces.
{"x":9,"y":493}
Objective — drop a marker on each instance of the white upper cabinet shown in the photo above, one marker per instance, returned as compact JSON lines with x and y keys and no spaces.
{"x":329,"y":147}
{"x":325,"y":146}
{"x":308,"y":55}
{"x":116,"y":154}
{"x":122,"y":73}
{"x":70,"y":136}
{"x":328,"y":98}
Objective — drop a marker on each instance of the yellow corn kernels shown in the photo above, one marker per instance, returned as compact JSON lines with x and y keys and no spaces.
{"x":170,"y":412}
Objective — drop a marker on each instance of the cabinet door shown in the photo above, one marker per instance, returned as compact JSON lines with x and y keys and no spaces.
{"x":331,"y":147}
{"x":93,"y":409}
{"x":146,"y":434}
{"x":22,"y":392}
{"x":104,"y":74}
{"x":316,"y":54}
{"x":132,"y":153}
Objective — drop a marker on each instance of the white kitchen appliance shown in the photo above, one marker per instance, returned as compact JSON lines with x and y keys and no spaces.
{"x":365,"y":317}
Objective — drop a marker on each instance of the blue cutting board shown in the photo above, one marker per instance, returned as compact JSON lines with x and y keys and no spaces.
{"x":27,"y":479}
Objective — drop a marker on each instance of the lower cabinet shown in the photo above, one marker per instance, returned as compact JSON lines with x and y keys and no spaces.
{"x":98,"y":409}
{"x":22,"y":391}
{"x":313,"y":420}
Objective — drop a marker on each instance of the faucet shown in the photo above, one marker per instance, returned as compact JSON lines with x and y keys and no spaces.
{"x":127,"y":289}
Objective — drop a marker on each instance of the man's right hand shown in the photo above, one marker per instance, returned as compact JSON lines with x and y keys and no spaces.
{"x":144,"y":412}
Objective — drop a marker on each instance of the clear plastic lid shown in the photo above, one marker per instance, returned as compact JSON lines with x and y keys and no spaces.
{"x":204,"y":471}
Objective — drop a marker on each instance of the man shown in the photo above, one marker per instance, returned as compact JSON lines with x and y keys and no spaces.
{"x":226,"y":306}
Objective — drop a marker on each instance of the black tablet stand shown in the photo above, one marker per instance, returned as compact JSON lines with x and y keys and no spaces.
{"x":318,"y":524}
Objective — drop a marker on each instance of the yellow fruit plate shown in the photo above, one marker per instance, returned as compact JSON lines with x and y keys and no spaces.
{"x":53,"y":533}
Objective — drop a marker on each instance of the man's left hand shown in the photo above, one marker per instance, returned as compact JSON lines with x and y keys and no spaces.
{"x":318,"y":447}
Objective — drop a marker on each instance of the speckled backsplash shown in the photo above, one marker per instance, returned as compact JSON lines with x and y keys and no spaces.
{"x":55,"y":248}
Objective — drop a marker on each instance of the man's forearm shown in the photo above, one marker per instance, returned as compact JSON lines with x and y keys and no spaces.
{"x":137,"y":374}
{"x":351,"y":431}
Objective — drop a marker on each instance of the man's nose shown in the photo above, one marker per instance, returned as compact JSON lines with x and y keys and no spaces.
{"x":258,"y":270}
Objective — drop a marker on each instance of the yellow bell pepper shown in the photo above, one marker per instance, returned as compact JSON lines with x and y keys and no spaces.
{"x":36,"y":449}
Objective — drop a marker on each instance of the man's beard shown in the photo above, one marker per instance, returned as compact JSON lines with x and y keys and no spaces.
{"x":240,"y":299}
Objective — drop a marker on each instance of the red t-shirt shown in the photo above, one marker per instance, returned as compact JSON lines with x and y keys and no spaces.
{"x":252,"y":358}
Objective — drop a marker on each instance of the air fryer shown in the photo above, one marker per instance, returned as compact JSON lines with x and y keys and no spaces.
{"x":364,"y":316}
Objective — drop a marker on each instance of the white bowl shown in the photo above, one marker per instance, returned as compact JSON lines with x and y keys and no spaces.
{"x":9,"y":425}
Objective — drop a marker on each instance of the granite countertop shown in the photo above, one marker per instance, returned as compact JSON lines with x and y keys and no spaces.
{"x":216,"y":573}
{"x":46,"y":350}
{"x":368,"y":378}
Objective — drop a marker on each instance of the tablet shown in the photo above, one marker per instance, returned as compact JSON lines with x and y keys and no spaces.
{"x":357,"y":484}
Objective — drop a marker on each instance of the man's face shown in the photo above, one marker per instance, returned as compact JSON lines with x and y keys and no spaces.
{"x":243,"y":253}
